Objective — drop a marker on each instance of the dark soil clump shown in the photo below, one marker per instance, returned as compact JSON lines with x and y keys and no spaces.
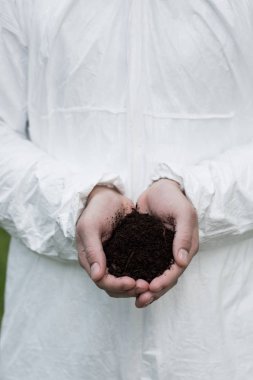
{"x":140,"y":247}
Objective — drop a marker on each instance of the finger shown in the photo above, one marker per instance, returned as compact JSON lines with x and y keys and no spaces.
{"x":142,"y":209}
{"x":141,"y":286}
{"x":144,"y":299}
{"x":167,"y":280}
{"x":185,"y":227}
{"x":141,"y":205}
{"x":128,"y":206}
{"x":91,"y":254}
{"x":112,"y":284}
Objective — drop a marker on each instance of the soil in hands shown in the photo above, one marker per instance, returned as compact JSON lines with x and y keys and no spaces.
{"x":140,"y":247}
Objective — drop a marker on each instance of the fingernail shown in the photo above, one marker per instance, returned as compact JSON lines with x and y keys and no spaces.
{"x":150,"y":301}
{"x":183,"y":254}
{"x":94,"y":269}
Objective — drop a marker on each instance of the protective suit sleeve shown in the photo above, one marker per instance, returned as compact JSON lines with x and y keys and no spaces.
{"x":40,"y":197}
{"x":220,"y":189}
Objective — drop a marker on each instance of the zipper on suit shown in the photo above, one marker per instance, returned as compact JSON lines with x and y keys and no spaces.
{"x":134,"y":107}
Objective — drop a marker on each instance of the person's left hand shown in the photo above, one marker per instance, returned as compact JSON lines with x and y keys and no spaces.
{"x":164,"y":199}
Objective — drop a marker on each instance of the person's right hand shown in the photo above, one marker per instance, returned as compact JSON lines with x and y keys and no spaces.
{"x":95,"y":226}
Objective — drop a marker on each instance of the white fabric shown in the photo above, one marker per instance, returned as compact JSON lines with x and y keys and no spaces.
{"x":125,"y":92}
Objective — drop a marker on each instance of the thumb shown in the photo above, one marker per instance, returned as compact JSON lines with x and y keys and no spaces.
{"x":182,"y":244}
{"x":92,"y":257}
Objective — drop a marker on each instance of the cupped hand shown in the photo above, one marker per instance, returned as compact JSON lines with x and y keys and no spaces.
{"x":95,"y":226}
{"x":164,"y":199}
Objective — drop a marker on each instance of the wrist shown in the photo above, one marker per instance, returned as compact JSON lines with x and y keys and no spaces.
{"x":167,"y":181}
{"x":99,"y":188}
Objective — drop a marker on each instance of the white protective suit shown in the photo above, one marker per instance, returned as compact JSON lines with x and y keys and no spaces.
{"x":125,"y":92}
